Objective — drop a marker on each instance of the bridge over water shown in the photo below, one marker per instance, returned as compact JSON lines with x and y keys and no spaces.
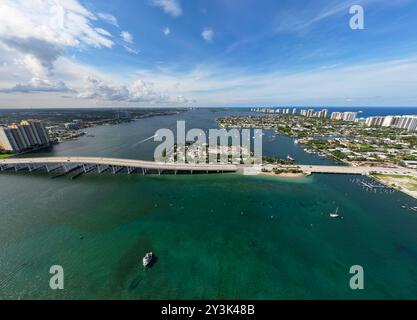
{"x":114,"y":165}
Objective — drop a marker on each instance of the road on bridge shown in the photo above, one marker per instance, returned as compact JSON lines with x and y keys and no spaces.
{"x":150,"y":165}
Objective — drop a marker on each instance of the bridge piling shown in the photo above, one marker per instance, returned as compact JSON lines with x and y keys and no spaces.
{"x":102,"y":169}
{"x":88,"y":168}
{"x":56,"y":168}
{"x":36,"y":168}
{"x":20,"y":168}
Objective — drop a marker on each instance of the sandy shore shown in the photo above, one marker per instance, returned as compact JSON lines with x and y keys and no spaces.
{"x":283,"y":175}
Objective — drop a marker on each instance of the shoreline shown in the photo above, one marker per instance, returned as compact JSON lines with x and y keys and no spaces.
{"x":82,"y":132}
{"x":283,"y":175}
{"x":296,"y":176}
{"x":394,"y":186}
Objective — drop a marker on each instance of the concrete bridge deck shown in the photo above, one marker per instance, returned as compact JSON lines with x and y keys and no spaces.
{"x":116,"y":165}
{"x":113,"y":163}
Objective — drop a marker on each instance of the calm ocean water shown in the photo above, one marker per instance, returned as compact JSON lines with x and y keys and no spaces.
{"x":215,"y":236}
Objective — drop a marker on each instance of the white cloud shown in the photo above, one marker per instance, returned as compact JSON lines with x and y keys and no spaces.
{"x":300,"y":20}
{"x":38,"y":85}
{"x":35,"y":36}
{"x":36,"y":66}
{"x":127,"y":37}
{"x":109,"y":18}
{"x":137,"y":92}
{"x":37,"y":32}
{"x":61,"y":22}
{"x":208,"y":35}
{"x":103,"y":32}
{"x":131,"y":50}
{"x":172,"y":7}
{"x":167,"y":31}
{"x":375,"y":84}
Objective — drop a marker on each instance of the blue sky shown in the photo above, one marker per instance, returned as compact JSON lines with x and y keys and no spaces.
{"x":64,"y":53}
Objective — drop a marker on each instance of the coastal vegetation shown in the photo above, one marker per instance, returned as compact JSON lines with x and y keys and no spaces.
{"x":283,"y":171}
{"x":275,"y":160}
{"x":349,"y":142}
{"x":407,"y":181}
{"x":69,"y":124}
{"x":289,"y":170}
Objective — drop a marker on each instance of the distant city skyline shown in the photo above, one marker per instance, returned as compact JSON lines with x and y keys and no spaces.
{"x":218,"y":53}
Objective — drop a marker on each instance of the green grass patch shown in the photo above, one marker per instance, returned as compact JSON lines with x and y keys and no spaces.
{"x":402,"y":181}
{"x":395,"y":176}
{"x":411,"y":186}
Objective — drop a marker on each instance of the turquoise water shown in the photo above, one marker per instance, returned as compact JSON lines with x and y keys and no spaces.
{"x":215,"y":236}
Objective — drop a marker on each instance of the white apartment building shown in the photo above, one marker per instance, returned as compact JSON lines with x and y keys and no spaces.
{"x":407,"y":122}
{"x":26,"y":135}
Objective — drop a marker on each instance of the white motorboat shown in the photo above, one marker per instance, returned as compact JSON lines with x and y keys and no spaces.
{"x":147,"y":259}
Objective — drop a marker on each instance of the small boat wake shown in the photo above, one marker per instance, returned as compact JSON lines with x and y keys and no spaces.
{"x":144,"y":140}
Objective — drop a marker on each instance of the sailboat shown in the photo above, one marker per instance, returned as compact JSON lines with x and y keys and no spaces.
{"x":335,"y":214}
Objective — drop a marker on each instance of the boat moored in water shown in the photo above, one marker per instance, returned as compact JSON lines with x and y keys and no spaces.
{"x":335,"y":214}
{"x":147,"y":259}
